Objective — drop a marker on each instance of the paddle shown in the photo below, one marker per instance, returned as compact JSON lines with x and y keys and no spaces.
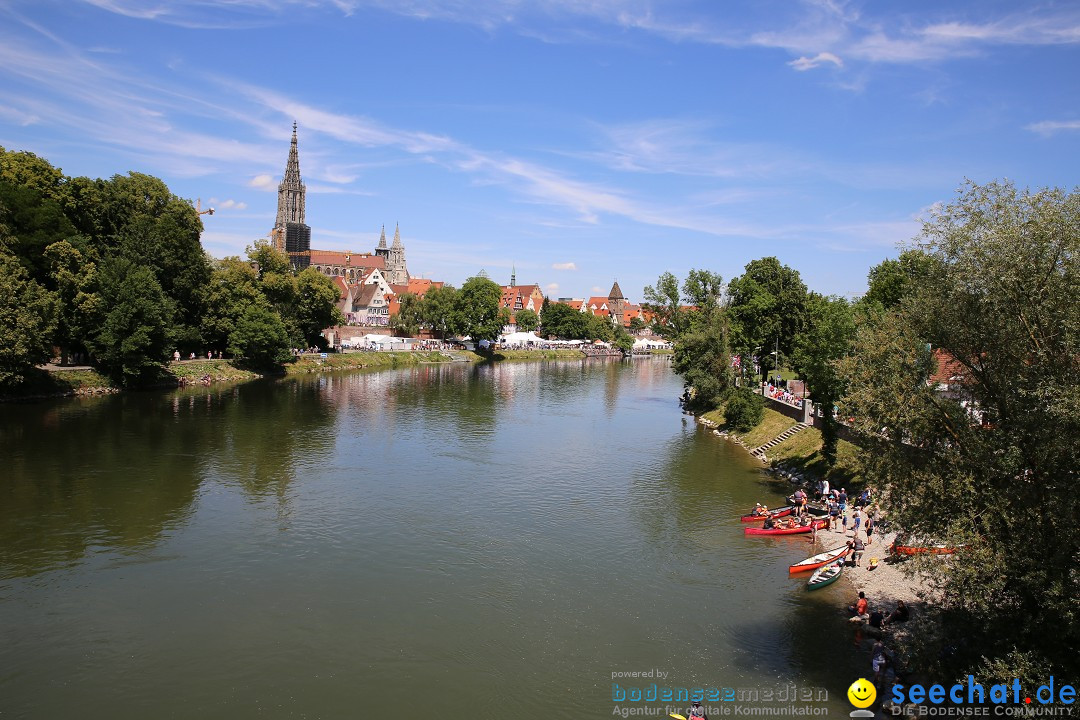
{"x":677,"y":716}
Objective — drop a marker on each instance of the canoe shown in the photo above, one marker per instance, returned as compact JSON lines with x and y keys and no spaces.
{"x":784,"y":531}
{"x":824,"y":575}
{"x":778,"y":513}
{"x":813,"y":563}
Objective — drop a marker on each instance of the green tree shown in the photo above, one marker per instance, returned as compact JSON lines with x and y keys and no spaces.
{"x":148,"y":225}
{"x":316,"y":305}
{"x":260,"y":338}
{"x":34,"y":222}
{"x":527,"y":320}
{"x":637,"y":325}
{"x":597,"y":327}
{"x":233,"y":288}
{"x":27,"y":320}
{"x":767,"y":305}
{"x":438,"y":309}
{"x":561,"y":320}
{"x":622,"y":339}
{"x":744,"y":409}
{"x":136,"y":336}
{"x":827,"y":338}
{"x":665,"y":301}
{"x":703,"y":357}
{"x":891,"y":281}
{"x":80,"y":309}
{"x":409,"y":316}
{"x":476,"y":310}
{"x":998,"y":301}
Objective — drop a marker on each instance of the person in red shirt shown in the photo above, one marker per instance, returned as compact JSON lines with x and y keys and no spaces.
{"x":860,"y":607}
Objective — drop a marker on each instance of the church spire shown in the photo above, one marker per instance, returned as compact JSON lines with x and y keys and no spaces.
{"x":397,"y":236}
{"x":513,"y":276}
{"x":382,"y":239}
{"x":291,"y":190}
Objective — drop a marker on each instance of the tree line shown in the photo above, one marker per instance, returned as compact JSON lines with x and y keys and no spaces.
{"x":475,"y":311}
{"x":986,"y":464}
{"x":112,"y":272}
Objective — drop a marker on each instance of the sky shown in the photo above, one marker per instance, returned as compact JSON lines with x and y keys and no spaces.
{"x":578,"y":141}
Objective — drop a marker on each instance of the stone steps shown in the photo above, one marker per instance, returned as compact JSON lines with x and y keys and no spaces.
{"x":794,"y":429}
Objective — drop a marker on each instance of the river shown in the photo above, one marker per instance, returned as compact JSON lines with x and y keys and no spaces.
{"x":452,"y":541}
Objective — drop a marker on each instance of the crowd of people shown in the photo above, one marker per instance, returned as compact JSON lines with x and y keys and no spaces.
{"x":782,"y":394}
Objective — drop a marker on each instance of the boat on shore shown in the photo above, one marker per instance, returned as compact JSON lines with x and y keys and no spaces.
{"x":825,"y":575}
{"x":778,"y":513}
{"x":814,"y":525}
{"x":816,"y":561}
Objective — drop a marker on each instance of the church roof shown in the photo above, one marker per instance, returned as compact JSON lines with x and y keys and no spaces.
{"x":347,"y":259}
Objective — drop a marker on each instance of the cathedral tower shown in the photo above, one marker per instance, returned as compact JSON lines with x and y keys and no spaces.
{"x":396,"y":272}
{"x":290,"y":233}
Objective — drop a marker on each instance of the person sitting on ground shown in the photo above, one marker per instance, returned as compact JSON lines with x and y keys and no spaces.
{"x":877,"y":619}
{"x":860,"y":607}
{"x":900,"y":614}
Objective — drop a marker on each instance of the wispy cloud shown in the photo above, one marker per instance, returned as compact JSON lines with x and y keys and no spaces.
{"x":808,"y":63}
{"x":552,"y":287}
{"x":564,"y":266}
{"x":1046,"y":128}
{"x":816,"y":31}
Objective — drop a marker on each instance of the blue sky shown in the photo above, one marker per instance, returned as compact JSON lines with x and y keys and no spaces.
{"x":583,"y":141}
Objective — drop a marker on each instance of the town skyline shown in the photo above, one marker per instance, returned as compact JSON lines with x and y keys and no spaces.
{"x":576,"y":143}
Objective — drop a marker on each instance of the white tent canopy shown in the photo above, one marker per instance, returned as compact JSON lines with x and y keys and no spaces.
{"x":521,"y":338}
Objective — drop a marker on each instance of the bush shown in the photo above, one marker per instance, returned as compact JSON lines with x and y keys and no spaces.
{"x":744,"y":410}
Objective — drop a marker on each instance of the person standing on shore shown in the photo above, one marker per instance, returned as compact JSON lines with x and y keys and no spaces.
{"x":856,"y":521}
{"x":869,"y":530}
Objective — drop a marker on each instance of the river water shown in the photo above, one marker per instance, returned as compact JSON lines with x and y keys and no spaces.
{"x":452,"y":541}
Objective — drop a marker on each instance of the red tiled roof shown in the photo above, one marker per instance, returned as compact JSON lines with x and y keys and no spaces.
{"x":947,"y":368}
{"x":420,"y":286}
{"x":347,"y":259}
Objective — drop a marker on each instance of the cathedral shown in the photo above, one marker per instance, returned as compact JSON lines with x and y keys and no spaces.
{"x":292,"y":236}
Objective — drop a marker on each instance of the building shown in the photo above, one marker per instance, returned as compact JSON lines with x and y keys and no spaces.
{"x":394,"y":257}
{"x":292,"y":236}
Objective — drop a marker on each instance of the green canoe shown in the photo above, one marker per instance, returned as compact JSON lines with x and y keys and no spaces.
{"x":825,"y":575}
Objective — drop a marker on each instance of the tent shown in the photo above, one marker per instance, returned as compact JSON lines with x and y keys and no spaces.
{"x":521,"y":338}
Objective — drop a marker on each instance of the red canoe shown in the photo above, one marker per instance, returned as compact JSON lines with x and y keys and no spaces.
{"x":813,"y":563}
{"x":785,"y":531}
{"x":779,"y":512}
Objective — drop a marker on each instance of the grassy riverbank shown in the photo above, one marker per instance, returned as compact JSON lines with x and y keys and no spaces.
{"x":562,"y":353}
{"x":800,"y":453}
{"x":59,"y":382}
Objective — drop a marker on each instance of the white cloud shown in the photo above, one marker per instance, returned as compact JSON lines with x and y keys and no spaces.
{"x":552,"y":287}
{"x":1046,"y":128}
{"x":231,"y":205}
{"x":564,"y":266}
{"x":597,"y":289}
{"x":262,"y":182}
{"x":806,"y":63}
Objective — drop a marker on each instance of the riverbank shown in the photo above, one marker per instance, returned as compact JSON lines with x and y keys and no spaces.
{"x":65,"y":382}
{"x":797,"y":462}
{"x":799,"y":454}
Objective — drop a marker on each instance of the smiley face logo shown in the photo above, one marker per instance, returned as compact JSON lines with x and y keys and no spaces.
{"x":862,"y":693}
